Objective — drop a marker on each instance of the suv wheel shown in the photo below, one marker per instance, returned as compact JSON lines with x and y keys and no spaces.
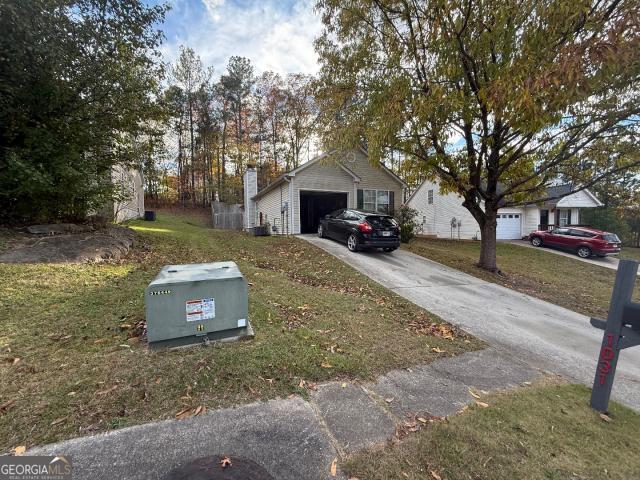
{"x":320,"y":231}
{"x":584,"y":252}
{"x":536,"y":241}
{"x":352,"y":243}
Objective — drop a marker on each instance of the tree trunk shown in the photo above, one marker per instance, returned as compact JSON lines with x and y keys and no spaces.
{"x":488,"y":259}
{"x":193,"y":173}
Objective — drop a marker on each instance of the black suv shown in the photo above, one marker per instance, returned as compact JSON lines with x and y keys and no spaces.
{"x":361,"y":229}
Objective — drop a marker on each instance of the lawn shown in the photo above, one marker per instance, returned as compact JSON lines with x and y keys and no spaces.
{"x":631,"y":253}
{"x":565,"y":281}
{"x":542,"y":433}
{"x":72,"y":361}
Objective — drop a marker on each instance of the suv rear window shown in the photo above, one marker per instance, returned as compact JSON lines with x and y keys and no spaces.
{"x":611,"y":237}
{"x":379,"y":221}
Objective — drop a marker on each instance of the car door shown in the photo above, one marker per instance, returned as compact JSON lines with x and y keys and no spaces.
{"x":348,"y":220}
{"x":557,"y":237}
{"x":563,"y":238}
{"x":331,"y":224}
{"x":574,"y":239}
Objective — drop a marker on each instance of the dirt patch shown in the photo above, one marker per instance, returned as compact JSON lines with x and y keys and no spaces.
{"x":111,"y":242}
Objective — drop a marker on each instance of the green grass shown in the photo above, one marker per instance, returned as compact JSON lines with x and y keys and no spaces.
{"x":72,"y":366}
{"x":565,"y":281}
{"x":542,"y":433}
{"x":631,"y":253}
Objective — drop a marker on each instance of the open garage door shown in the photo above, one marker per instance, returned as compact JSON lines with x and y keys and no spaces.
{"x":315,"y":205}
{"x":508,"y":226}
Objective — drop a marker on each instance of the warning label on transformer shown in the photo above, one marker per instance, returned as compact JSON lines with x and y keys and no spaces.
{"x":200,"y":309}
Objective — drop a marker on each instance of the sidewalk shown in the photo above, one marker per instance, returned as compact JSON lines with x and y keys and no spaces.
{"x":294,"y":438}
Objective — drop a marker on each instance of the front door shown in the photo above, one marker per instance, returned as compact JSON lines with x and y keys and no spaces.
{"x":544,"y":219}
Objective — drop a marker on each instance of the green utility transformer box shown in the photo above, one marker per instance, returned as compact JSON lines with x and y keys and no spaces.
{"x":197,"y":303}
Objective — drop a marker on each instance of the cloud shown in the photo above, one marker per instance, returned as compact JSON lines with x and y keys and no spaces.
{"x":212,"y":7}
{"x":274,"y":35}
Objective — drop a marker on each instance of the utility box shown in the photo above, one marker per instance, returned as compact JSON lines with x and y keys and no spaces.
{"x":197,"y":303}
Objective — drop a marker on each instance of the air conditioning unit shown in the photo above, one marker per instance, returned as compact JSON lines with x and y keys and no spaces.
{"x":197,"y":303}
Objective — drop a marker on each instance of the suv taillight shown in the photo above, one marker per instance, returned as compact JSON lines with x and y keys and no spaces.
{"x":364,"y":227}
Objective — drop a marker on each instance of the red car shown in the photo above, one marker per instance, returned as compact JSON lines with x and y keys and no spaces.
{"x":585,"y":242}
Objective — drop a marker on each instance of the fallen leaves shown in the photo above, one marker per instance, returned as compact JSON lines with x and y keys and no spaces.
{"x":422,"y":326}
{"x":481,"y":404}
{"x":334,"y":467}
{"x":605,"y":417}
{"x":415,"y":422}
{"x":100,"y":393}
{"x":58,"y":421}
{"x":225,"y":462}
{"x":438,"y":350}
{"x":6,"y":405}
{"x":326,"y":365}
{"x":19,"y":450}
{"x":473,"y":394}
{"x":435,"y":475}
{"x":190,"y":412}
{"x":307,"y":385}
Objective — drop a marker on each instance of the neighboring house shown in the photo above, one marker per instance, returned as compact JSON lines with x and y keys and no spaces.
{"x":296,"y":201}
{"x":129,"y":201}
{"x":437,"y":211}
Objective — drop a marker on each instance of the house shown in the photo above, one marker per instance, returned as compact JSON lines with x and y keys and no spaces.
{"x":442,"y":214}
{"x":129,"y":199}
{"x":296,"y":201}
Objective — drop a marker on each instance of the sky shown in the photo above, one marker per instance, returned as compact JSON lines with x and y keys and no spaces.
{"x":275,"y":35}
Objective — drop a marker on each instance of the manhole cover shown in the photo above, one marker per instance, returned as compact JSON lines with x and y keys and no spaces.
{"x":210,"y":468}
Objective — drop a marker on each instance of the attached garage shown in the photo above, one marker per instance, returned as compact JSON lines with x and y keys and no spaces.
{"x":296,"y":201}
{"x":509,"y":226}
{"x":315,"y":204}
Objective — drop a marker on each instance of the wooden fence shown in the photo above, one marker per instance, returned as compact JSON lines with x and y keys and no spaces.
{"x":227,"y":217}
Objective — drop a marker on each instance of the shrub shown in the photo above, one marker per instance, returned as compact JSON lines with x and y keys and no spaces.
{"x":406,"y":218}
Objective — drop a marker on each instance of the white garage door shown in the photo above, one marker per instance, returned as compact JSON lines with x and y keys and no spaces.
{"x":508,"y":226}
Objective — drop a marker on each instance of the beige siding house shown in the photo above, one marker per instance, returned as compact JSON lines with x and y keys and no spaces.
{"x":295,"y":202}
{"x":439,"y":212}
{"x":129,"y":185}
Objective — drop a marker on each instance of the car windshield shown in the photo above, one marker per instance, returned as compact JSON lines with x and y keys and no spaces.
{"x":611,"y":237}
{"x":380,"y":221}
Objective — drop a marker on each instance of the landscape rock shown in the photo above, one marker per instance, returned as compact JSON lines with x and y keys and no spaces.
{"x":109,"y":243}
{"x":58,"y":228}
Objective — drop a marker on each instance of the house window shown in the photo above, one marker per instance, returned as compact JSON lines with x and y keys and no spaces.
{"x":369,"y":204}
{"x":430,"y":197}
{"x":383,"y":201}
{"x":565,"y":217}
{"x":378,"y":201}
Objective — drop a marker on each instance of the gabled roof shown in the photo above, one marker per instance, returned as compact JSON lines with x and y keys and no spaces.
{"x":555,"y":194}
{"x":291,"y":174}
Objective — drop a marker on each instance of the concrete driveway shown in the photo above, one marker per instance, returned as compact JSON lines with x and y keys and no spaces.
{"x":607,"y":262}
{"x":545,"y":335}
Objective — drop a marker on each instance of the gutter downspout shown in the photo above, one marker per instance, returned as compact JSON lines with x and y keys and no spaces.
{"x":289,"y":205}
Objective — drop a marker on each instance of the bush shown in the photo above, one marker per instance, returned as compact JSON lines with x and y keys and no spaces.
{"x":608,"y":219}
{"x":406,"y":218}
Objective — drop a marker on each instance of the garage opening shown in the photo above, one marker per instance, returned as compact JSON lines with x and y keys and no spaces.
{"x":315,"y":205}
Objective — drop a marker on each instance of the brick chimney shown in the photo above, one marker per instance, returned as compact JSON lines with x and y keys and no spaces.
{"x":250,"y":181}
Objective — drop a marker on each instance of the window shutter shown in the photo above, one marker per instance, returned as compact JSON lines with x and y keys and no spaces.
{"x":360,"y":204}
{"x":392,"y":202}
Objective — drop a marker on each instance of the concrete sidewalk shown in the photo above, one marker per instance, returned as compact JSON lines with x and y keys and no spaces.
{"x":293,"y":438}
{"x":543,"y":334}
